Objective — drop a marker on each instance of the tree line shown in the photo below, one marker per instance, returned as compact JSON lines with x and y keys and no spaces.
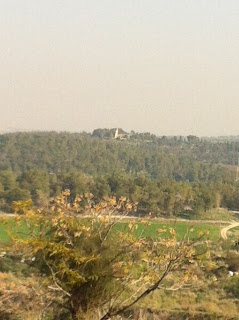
{"x":162,"y":174}
{"x":165,"y":197}
{"x":54,"y":152}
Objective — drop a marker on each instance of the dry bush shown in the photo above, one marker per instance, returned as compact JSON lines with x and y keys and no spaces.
{"x":232,"y":260}
{"x":20,"y":298}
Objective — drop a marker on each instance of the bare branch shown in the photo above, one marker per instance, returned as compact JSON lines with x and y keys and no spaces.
{"x":111,"y":313}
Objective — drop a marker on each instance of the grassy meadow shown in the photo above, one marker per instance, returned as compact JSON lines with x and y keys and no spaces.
{"x":147,"y":229}
{"x":181,"y":228}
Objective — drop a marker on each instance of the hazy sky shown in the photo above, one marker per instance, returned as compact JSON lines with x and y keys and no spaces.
{"x":165,"y":66}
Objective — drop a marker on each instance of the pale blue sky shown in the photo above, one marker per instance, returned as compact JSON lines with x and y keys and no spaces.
{"x":166,"y":66}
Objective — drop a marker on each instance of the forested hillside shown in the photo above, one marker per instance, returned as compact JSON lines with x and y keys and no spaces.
{"x":165,"y":175}
{"x":54,"y":152}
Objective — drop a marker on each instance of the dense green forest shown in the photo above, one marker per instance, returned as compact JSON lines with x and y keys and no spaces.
{"x":166,"y":175}
{"x":50,"y":259}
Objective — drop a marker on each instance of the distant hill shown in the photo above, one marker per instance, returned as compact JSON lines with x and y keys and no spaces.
{"x":165,"y":175}
{"x":176,"y":158}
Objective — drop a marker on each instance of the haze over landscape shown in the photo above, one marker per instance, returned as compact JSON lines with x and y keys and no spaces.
{"x":119,"y":160}
{"x":168,"y":67}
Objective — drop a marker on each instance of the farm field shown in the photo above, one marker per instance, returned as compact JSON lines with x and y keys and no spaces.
{"x":148,"y":229}
{"x":3,"y":233}
{"x":4,"y":236}
{"x":180,"y":227}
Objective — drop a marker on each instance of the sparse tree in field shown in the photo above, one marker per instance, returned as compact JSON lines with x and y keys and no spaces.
{"x":92,"y":261}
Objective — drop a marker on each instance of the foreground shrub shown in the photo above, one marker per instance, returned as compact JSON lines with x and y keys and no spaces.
{"x":90,"y":267}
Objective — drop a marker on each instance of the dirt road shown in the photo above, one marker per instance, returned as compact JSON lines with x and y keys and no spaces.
{"x":231,"y":226}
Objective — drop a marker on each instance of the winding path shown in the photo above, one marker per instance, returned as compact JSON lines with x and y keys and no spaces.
{"x":234,"y":224}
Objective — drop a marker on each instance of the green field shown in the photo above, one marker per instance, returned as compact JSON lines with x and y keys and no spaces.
{"x":4,"y":236}
{"x":181,"y":229}
{"x":143,"y":230}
